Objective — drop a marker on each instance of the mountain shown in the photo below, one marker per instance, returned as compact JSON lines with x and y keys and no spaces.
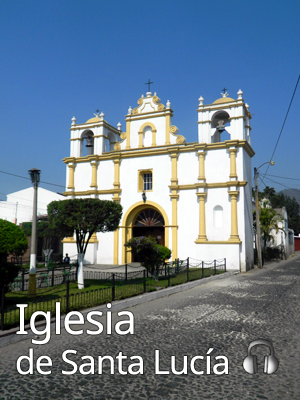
{"x":292,"y":193}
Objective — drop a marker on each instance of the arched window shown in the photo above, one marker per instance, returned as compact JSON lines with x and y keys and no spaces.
{"x":88,"y":143}
{"x":218,"y":217}
{"x":219,"y":122}
{"x":149,"y":217}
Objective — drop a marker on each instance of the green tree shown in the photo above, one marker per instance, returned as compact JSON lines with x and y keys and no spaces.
{"x":84,"y":217}
{"x":269,"y":221}
{"x":279,"y":200}
{"x":146,"y":251}
{"x":12,"y":240}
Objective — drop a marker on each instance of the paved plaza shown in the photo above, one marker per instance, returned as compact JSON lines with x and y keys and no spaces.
{"x":224,"y":315}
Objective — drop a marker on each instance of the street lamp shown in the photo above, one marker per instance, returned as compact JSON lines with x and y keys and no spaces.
{"x":35,"y":178}
{"x":258,"y":243}
{"x":144,"y":197}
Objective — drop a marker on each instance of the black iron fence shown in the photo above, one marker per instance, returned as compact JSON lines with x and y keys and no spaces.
{"x":121,"y":285}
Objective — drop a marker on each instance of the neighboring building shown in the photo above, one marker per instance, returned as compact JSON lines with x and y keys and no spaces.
{"x":18,"y":207}
{"x":284,"y":238}
{"x":198,"y":195}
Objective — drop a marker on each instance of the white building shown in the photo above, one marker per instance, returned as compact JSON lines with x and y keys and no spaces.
{"x":284,"y":238}
{"x":18,"y":207}
{"x":198,"y":195}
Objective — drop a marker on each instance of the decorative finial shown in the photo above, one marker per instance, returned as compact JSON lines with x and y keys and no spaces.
{"x":240,"y":95}
{"x":142,"y":96}
{"x":73,"y":121}
{"x":168,"y":105}
{"x":247,"y":106}
{"x":155,"y":94}
{"x":119,"y":126}
{"x":97,"y":115}
{"x":201,"y":100}
{"x":102,"y":115}
{"x":224,"y":94}
{"x":129,"y":110}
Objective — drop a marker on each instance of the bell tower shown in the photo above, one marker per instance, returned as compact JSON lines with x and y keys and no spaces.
{"x":224,"y":114}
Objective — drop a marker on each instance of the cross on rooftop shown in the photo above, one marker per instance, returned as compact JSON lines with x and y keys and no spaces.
{"x":148,"y":83}
{"x":224,"y":90}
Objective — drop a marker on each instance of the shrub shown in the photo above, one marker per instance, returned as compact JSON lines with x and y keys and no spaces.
{"x":146,"y":251}
{"x":8,"y":272}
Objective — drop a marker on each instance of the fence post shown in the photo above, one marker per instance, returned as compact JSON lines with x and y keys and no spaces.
{"x":144,"y":280}
{"x":113,"y":289}
{"x":23,"y":278}
{"x":165,"y":269}
{"x":68,"y":291}
{"x":224,"y":264}
{"x":2,"y":309}
{"x":202,"y":269}
{"x":125,"y":272}
{"x":215,"y":267}
{"x":187,"y":268}
{"x":168,"y":274}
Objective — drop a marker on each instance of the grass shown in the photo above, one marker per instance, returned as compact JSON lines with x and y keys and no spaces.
{"x":95,"y":292}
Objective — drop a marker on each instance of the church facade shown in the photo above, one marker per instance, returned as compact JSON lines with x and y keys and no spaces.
{"x":194,"y":198}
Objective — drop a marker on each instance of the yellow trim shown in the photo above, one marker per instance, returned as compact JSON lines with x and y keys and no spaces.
{"x":233,"y":173}
{"x":198,"y":241}
{"x":149,"y":115}
{"x":94,"y":238}
{"x":127,"y":223}
{"x":94,"y":165}
{"x":234,"y":223}
{"x":216,"y":185}
{"x":71,"y":176}
{"x":212,"y":107}
{"x":128,"y":134}
{"x":117,"y":183}
{"x":141,"y":174}
{"x":239,"y":117}
{"x":204,"y":122}
{"x":82,"y":140}
{"x":116,"y":246}
{"x":69,"y":240}
{"x":168,"y":124}
{"x":202,"y":227}
{"x":88,"y":192}
{"x":163,"y":149}
{"x":141,"y":132}
{"x":201,"y":155}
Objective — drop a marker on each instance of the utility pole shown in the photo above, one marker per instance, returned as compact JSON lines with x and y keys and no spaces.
{"x":258,"y":241}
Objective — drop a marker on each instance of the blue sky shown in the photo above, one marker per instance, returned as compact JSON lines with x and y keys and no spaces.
{"x":61,"y":59}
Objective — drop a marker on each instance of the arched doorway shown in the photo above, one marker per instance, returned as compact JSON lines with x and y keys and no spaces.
{"x":128,"y":222}
{"x":150,"y":222}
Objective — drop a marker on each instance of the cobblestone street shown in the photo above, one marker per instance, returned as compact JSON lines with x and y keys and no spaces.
{"x":226,"y":315}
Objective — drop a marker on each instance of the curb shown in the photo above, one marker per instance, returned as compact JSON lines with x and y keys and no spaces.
{"x":9,"y":337}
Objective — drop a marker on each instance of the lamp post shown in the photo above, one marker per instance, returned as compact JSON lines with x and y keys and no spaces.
{"x":258,"y":242}
{"x":35,"y":178}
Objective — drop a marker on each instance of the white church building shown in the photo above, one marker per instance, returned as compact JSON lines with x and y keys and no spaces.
{"x":194,"y":198}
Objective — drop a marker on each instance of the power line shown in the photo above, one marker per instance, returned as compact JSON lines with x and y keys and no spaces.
{"x":283,"y":123}
{"x":24,"y":177}
{"x":283,"y":177}
{"x":278,"y":183}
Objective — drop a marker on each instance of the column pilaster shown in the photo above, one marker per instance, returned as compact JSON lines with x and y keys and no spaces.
{"x":71,"y":176}
{"x":234,"y":237}
{"x":202,"y":226}
{"x":233,"y":174}
{"x":94,"y":165}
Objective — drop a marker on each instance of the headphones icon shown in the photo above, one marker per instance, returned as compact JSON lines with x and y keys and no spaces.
{"x":271,"y":362}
